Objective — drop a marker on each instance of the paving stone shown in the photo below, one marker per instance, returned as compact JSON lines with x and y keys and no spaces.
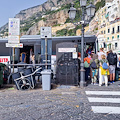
{"x":56,"y":104}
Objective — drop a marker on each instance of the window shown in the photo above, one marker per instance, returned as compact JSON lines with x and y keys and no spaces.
{"x":118,"y":29}
{"x":109,"y":46}
{"x":113,"y":30}
{"x":108,"y":38}
{"x":104,"y":31}
{"x":104,"y":44}
{"x":116,"y":45}
{"x":115,"y":9}
{"x":118,"y":36}
{"x":112,"y":37}
{"x":108,"y":30}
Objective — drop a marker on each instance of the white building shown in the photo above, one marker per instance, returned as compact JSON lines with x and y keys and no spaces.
{"x":109,"y":26}
{"x":113,"y":10}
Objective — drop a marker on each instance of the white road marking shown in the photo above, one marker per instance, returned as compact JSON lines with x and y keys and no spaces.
{"x":102,"y":92}
{"x":106,"y":100}
{"x":106,"y":109}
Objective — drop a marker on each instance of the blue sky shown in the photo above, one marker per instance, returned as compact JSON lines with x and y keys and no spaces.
{"x":9,"y":8}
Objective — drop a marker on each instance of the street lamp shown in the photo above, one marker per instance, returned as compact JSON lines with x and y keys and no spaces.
{"x":89,"y":11}
{"x":72,"y":12}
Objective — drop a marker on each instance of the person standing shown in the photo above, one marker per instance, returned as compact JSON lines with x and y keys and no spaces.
{"x":23,"y":57}
{"x":118,"y":69}
{"x":79,"y":59}
{"x":118,"y":63}
{"x":112,"y":59}
{"x":89,"y":50}
{"x":39,"y":58}
{"x":94,"y":65}
{"x":104,"y":70}
{"x":33,"y":59}
{"x":101,"y":53}
{"x":87,"y":67}
{"x":31,"y":52}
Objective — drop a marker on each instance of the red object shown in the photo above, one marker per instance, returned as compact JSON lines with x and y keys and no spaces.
{"x":3,"y":59}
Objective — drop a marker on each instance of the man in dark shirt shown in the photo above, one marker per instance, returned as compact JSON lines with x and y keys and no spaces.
{"x":112,"y":59}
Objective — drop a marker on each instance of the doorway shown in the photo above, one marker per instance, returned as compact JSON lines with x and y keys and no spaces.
{"x":26,"y":49}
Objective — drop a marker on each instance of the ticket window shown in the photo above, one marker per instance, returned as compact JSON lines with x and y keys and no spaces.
{"x":26,"y":51}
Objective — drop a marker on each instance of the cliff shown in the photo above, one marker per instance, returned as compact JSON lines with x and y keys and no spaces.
{"x":50,"y":13}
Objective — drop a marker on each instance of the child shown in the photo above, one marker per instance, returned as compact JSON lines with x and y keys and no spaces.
{"x":94,"y":63}
{"x":104,"y":72}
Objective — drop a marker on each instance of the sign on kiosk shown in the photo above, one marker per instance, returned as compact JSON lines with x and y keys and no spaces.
{"x":14,"y":26}
{"x":4,"y":59}
{"x":14,"y":33}
{"x":46,"y":32}
{"x":13,"y":39}
{"x":19,"y":45}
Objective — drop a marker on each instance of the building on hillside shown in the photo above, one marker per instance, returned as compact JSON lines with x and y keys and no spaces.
{"x":113,"y":10}
{"x":93,"y":25}
{"x":98,"y":21}
{"x":108,"y":1}
{"x":102,"y":27}
{"x":109,"y":26}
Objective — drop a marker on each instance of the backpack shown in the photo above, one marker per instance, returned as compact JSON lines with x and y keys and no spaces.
{"x":93,"y":65}
{"x":86,"y":65}
{"x":112,"y":58}
{"x":104,"y":65}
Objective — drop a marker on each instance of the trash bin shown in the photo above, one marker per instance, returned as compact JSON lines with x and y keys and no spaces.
{"x":1,"y":73}
{"x":46,"y":79}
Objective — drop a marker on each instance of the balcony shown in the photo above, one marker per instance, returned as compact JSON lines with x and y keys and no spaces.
{"x":117,"y":31}
{"x":112,"y":32}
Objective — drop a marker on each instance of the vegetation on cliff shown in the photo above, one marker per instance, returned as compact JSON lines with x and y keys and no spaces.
{"x":25,"y":25}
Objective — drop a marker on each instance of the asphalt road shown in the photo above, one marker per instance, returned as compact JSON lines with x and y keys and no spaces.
{"x":61,"y":103}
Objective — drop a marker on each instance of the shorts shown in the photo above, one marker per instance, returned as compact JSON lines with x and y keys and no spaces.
{"x":112,"y":69}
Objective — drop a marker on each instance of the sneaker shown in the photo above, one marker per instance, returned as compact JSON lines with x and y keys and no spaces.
{"x":106,"y":85}
{"x":111,"y":82}
{"x":100,"y":85}
{"x":92,"y":83}
{"x":95,"y":83}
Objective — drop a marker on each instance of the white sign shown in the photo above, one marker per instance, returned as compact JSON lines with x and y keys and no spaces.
{"x":19,"y":45}
{"x":74,"y":55}
{"x":66,"y":49}
{"x":4,"y":59}
{"x":14,"y":26}
{"x":46,"y":32}
{"x":13,"y":39}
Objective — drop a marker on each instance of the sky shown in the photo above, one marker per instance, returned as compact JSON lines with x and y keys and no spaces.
{"x":9,"y":8}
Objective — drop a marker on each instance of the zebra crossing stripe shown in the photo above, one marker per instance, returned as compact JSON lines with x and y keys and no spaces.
{"x":106,"y":100}
{"x":106,"y":109}
{"x":102,"y":92}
